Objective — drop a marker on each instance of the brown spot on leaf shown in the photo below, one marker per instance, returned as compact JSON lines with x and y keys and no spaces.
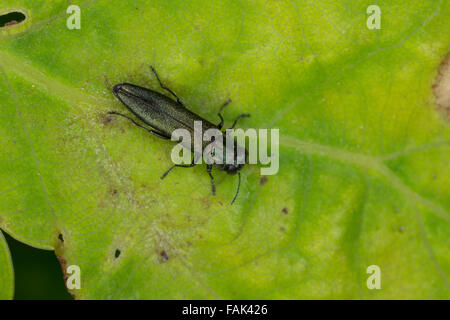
{"x":106,"y":119}
{"x":282,"y":229}
{"x":164,"y":256}
{"x":206,"y":201}
{"x":63,"y":264}
{"x":263,"y":180}
{"x":441,"y":87}
{"x":11,"y":23}
{"x":285,"y":210}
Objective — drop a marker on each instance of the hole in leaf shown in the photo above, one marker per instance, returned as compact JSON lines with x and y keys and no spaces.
{"x":11,"y":18}
{"x":117,"y":253}
{"x":60,"y":237}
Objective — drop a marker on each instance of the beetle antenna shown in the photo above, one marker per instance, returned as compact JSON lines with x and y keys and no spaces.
{"x":239,"y":185}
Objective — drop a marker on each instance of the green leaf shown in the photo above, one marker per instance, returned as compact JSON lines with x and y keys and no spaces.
{"x":6,"y":271}
{"x":364,"y":174}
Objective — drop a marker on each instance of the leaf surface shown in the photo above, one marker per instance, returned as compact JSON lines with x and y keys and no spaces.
{"x":6,"y":271}
{"x":364,"y":170}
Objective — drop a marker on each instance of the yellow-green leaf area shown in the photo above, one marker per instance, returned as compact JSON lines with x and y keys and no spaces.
{"x":363,"y":178}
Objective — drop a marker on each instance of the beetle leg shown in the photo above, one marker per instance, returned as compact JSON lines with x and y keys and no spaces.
{"x":220,"y":125}
{"x":237,"y":191}
{"x":244,"y":115}
{"x":213,"y":186}
{"x":194,"y":162}
{"x":177,"y":165}
{"x":156,"y":133}
{"x":164,"y":87}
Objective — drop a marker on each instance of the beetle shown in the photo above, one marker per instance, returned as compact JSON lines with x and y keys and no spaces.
{"x":164,"y":115}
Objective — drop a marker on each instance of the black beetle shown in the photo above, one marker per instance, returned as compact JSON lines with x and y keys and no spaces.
{"x":165,"y":115}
